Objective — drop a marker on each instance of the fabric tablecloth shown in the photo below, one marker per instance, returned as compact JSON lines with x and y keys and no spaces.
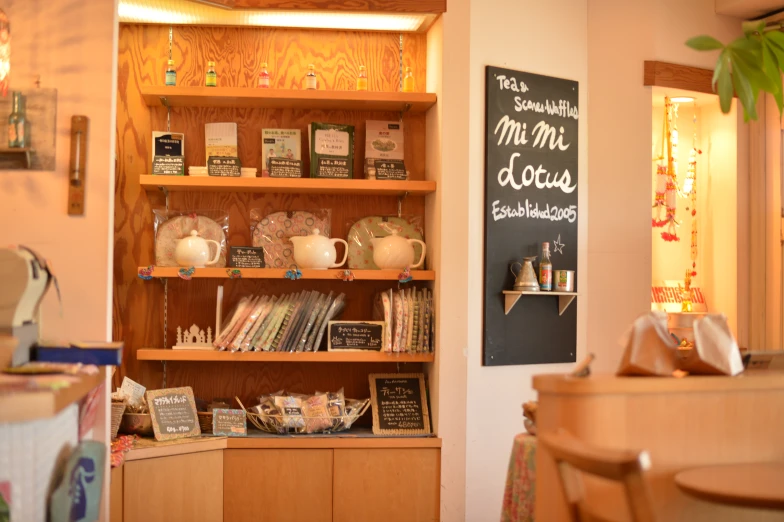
{"x":521,"y":481}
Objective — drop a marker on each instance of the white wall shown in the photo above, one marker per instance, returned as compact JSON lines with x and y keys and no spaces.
{"x":544,"y":38}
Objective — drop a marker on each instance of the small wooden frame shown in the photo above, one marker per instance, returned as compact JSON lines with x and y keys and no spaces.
{"x":512,"y":296}
{"x":399,"y":399}
{"x":173,"y":413}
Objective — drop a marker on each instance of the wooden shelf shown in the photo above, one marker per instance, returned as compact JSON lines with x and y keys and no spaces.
{"x":254,"y":98}
{"x":160,"y":354}
{"x":27,"y":152}
{"x":44,"y":403}
{"x":366,"y":187}
{"x":512,"y":296}
{"x":280,"y":273}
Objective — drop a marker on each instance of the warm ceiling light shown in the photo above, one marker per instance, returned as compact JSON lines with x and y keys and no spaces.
{"x":184,"y":12}
{"x":682,"y":99}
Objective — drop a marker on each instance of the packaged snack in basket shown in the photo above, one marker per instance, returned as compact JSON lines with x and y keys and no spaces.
{"x":314,"y":410}
{"x":336,"y":406}
{"x":290,"y":408}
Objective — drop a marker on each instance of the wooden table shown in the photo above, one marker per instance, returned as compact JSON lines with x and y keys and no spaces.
{"x":758,"y":485}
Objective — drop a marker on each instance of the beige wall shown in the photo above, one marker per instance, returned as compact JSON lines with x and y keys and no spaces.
{"x":72,"y":46}
{"x":544,"y":38}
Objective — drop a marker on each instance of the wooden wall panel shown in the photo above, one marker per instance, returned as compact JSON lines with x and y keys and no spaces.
{"x":138,"y":305}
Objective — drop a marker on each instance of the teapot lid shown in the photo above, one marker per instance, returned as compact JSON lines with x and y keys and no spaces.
{"x":315,"y":232}
{"x":194,"y":233}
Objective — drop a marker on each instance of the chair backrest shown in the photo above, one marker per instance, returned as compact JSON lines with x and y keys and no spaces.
{"x":573,"y":456}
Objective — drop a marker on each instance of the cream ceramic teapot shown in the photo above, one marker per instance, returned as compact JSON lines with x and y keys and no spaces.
{"x":193,"y":250}
{"x":396,"y":253}
{"x":316,"y":251}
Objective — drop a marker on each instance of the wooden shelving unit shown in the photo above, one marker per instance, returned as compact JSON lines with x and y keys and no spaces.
{"x":26,"y":153}
{"x":367,"y":187}
{"x":512,"y":296}
{"x":280,"y":273}
{"x":160,"y":354}
{"x":246,"y":97}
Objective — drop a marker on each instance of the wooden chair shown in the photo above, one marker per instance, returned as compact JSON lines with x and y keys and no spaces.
{"x":573,"y":456}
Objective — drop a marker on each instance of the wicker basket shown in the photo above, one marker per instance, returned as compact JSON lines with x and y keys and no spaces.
{"x":118,"y":408}
{"x":205,"y":421}
{"x":330,"y":424}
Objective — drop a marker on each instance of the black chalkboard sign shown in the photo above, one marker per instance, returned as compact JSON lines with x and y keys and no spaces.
{"x":224,"y":166}
{"x":390,"y":169}
{"x":333,"y":168}
{"x":399,"y":403}
{"x":173,"y":413}
{"x":231,"y":423}
{"x":531,"y":198}
{"x":355,"y":336}
{"x":246,"y":257}
{"x":168,"y":166}
{"x":284,"y":168}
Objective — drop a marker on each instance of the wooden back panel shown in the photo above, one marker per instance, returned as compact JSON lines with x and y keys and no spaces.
{"x":138,"y":305}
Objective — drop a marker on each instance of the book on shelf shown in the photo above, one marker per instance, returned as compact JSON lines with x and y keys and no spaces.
{"x":331,"y":150}
{"x":279,"y":143}
{"x":383,"y":141}
{"x":220,"y":140}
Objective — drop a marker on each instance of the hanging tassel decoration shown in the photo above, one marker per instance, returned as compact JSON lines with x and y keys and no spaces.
{"x":671,"y":191}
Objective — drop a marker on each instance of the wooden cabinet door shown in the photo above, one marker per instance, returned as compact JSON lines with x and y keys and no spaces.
{"x":182,"y":487}
{"x":271,"y":485}
{"x":386,"y":485}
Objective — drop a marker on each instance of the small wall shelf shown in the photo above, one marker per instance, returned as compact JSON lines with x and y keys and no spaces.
{"x":365,"y":187}
{"x":280,"y":273}
{"x":512,"y":296}
{"x":249,"y":97}
{"x":161,"y":354}
{"x":24,"y":154}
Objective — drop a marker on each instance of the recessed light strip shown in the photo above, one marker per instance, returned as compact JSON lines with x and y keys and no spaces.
{"x":183,"y":12}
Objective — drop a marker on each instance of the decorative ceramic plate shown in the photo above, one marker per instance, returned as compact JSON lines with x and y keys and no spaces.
{"x":176,"y":228}
{"x":273,"y":233}
{"x":360,"y":248}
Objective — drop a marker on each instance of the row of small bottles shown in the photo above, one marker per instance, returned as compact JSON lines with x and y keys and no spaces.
{"x":311,"y":82}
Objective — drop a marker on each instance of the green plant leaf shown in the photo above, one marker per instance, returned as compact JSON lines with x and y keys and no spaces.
{"x":750,"y":28}
{"x":704,"y":43}
{"x":751,"y":65}
{"x":777,"y":51}
{"x":744,"y":89}
{"x":771,"y":68}
{"x":724,"y":81}
{"x":721,"y":64}
{"x":775,"y":37}
{"x":745,"y":44}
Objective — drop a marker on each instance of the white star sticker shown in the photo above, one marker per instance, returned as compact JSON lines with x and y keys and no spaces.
{"x":558,"y":246}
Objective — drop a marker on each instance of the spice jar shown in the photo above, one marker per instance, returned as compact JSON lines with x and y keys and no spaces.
{"x":211,"y":79}
{"x":310,"y":78}
{"x":362,"y":80}
{"x":264,"y":77}
{"x":408,"y":81}
{"x":171,"y":74}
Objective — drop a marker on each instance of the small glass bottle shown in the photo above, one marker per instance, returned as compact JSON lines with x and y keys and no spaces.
{"x":546,"y":269}
{"x":310,"y":79}
{"x":171,"y":74}
{"x":408,"y":81}
{"x":264,"y":78}
{"x":17,"y":137}
{"x":362,"y":80}
{"x":211,"y":79}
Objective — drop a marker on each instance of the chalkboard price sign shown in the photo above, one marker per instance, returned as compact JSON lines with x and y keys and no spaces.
{"x":389,"y":169}
{"x":246,"y":257}
{"x":284,"y":168}
{"x":224,"y":166}
{"x":355,"y":336}
{"x":399,"y":403}
{"x":333,"y":168}
{"x":531,"y":172}
{"x":168,"y":166}
{"x":173,"y":413}
{"x":231,"y":423}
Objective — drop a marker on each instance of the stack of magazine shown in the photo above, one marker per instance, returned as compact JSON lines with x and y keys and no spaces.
{"x":289,"y":323}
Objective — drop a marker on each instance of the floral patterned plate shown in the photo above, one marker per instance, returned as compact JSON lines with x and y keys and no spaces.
{"x":176,"y":228}
{"x":273,"y":233}
{"x":360,"y":248}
